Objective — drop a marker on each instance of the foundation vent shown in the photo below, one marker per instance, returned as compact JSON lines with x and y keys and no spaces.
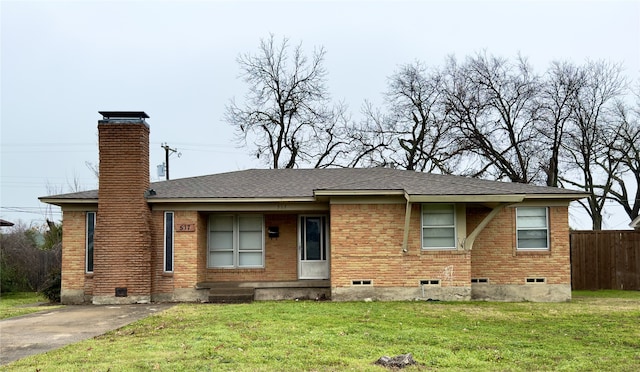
{"x":121,"y":292}
{"x":480,"y":280}
{"x":430,"y":282}
{"x":535,"y":280}
{"x":362,"y":282}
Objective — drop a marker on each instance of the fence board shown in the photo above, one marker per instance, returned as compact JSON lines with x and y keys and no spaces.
{"x":606,"y":259}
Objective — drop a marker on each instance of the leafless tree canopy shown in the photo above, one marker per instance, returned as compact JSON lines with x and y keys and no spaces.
{"x":494,"y":105}
{"x":413,"y":132}
{"x":484,"y":116}
{"x":287,"y":115}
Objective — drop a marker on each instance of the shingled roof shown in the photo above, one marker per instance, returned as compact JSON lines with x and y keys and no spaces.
{"x":309,"y":183}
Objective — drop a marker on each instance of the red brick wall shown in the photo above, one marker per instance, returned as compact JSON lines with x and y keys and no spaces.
{"x":366,"y":243}
{"x":73,"y":250}
{"x":281,"y":255}
{"x":494,"y":255}
{"x":122,"y":250}
{"x":186,"y":255}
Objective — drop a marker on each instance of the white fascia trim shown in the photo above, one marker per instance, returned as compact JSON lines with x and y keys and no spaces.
{"x":558,"y":196}
{"x":62,"y":202}
{"x":230,"y":200}
{"x":465,"y":198}
{"x":358,"y":192}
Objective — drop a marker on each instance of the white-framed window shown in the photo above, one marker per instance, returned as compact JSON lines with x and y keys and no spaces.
{"x":438,"y":226}
{"x":90,"y":226}
{"x":532,"y":228}
{"x":168,"y":241}
{"x":236,"y":241}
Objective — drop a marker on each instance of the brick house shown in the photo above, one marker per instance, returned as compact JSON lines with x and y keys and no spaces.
{"x":343,"y":234}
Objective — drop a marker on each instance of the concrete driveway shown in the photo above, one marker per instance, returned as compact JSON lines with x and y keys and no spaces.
{"x":40,"y":332}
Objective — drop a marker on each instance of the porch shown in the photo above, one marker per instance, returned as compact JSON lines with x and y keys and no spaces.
{"x":247,"y":291}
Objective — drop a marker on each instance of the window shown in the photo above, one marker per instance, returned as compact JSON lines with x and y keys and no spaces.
{"x":438,"y":226}
{"x":168,"y":242}
{"x":532,"y":228}
{"x":236,"y":241}
{"x":91,"y":227}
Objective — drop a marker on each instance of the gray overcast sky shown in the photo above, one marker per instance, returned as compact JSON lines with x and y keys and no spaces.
{"x":61,"y":62}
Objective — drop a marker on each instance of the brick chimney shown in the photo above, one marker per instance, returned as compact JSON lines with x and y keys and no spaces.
{"x":122,"y":242}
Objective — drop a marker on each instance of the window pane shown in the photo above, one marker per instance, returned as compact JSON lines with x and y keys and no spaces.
{"x":91,"y":225}
{"x":532,"y":239}
{"x":438,"y":215}
{"x":438,"y":219}
{"x":438,"y":237}
{"x":168,"y":243}
{"x":532,"y":228}
{"x":222,"y":223}
{"x":532,"y":212}
{"x":236,"y":240}
{"x":250,"y":240}
{"x":250,"y":258}
{"x":250,"y":223}
{"x":217,"y":259}
{"x":528,"y":222}
{"x":221,"y":240}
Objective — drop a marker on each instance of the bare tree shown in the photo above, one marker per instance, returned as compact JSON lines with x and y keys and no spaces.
{"x":412,"y":133}
{"x":287,"y":116}
{"x":563,"y":80}
{"x":625,"y":152}
{"x":591,"y":135}
{"x":497,"y":110}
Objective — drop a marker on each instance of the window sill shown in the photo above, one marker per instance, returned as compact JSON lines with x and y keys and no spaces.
{"x":533,"y":252}
{"x":235,"y":269}
{"x":88,"y":275}
{"x":442,"y":251}
{"x":167,"y":275}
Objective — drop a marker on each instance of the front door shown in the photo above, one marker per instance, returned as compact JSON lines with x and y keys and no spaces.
{"x":313,"y":248}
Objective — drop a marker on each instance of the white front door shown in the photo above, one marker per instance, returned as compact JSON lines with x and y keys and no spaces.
{"x":313,"y":248}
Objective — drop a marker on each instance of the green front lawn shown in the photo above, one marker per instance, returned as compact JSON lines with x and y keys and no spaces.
{"x":593,"y":332}
{"x":21,"y":303}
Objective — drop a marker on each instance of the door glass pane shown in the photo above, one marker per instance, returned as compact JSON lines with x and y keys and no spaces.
{"x":313,"y":238}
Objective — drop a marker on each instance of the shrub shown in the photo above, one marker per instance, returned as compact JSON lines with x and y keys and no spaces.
{"x":51,"y":288}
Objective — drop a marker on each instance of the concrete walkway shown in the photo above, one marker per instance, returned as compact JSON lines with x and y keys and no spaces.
{"x":40,"y":332}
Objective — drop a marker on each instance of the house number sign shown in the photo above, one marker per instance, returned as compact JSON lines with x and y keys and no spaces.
{"x":186,"y":227}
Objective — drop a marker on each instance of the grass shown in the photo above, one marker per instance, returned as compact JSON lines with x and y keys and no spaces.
{"x":21,"y":303}
{"x":595,"y":331}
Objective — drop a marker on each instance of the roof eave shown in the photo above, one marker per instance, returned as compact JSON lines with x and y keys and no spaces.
{"x":156,"y":200}
{"x":465,"y":198}
{"x":496,"y":198}
{"x":358,"y":192}
{"x":61,"y":202}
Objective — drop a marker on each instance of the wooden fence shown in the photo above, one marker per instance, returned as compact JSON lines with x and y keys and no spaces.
{"x":605,"y":259}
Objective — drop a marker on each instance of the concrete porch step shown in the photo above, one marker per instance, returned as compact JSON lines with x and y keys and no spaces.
{"x":320,"y":283}
{"x":231,"y":295}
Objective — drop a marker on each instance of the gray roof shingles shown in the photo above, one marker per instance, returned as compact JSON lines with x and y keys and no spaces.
{"x":302,"y":183}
